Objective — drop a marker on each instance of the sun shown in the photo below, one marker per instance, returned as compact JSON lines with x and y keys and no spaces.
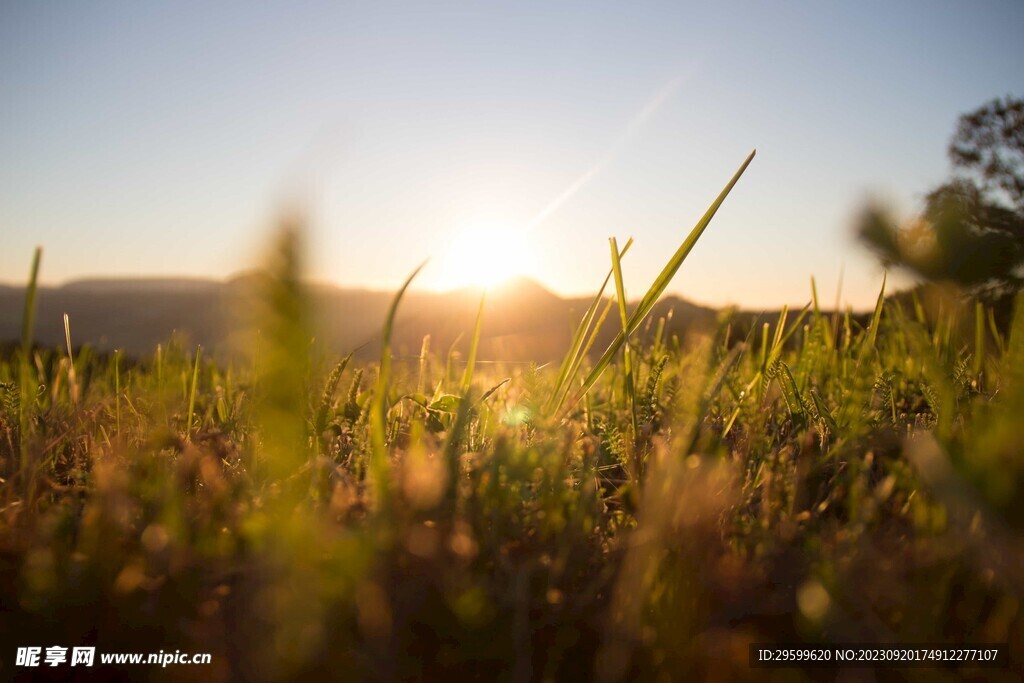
{"x":485,"y":255}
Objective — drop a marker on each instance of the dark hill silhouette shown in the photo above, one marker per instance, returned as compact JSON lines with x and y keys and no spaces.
{"x":156,"y":285}
{"x":522,"y":319}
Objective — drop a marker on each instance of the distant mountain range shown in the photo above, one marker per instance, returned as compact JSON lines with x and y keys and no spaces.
{"x":522,"y":319}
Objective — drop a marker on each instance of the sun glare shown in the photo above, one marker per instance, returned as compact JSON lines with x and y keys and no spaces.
{"x":486,"y":255}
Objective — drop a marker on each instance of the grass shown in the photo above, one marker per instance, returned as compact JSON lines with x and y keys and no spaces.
{"x":815,"y":481}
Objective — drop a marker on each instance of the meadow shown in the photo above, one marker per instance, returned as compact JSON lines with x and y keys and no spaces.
{"x":640,"y":512}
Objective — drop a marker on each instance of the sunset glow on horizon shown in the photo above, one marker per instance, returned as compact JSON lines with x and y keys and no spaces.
{"x":484,"y":255}
{"x":399,"y":126}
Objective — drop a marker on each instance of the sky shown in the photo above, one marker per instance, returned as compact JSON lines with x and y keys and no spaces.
{"x":163,"y":139}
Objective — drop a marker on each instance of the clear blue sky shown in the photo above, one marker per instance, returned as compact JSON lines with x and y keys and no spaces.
{"x":140,"y":138}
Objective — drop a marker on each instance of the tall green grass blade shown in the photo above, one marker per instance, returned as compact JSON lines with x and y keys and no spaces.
{"x":660,"y":283}
{"x":835,"y":313}
{"x":26,"y":383}
{"x":979,"y":340}
{"x":67,"y":334}
{"x":451,"y":449}
{"x":379,"y":469}
{"x":467,"y":375}
{"x":28,"y":318}
{"x":659,"y":335}
{"x":765,"y":347}
{"x":281,"y":362}
{"x":784,"y":339}
{"x":571,"y":362}
{"x":117,"y":390}
{"x":876,"y":319}
{"x":627,"y":362}
{"x":72,"y":377}
{"x":670,"y":269}
{"x":585,"y":351}
{"x":847,"y":329}
{"x":160,"y":377}
{"x":814,"y":299}
{"x":819,"y":321}
{"x":421,"y":380}
{"x":780,"y":328}
{"x":993,"y":329}
{"x":190,"y":416}
{"x":918,"y":308}
{"x":449,"y":361}
{"x":1014,"y":358}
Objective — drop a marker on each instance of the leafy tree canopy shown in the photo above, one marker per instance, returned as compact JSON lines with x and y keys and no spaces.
{"x":971,"y":231}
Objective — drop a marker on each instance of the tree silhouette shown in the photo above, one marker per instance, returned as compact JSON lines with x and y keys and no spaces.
{"x":989,"y":145}
{"x":971,"y":231}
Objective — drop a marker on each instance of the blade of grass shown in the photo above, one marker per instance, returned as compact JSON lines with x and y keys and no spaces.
{"x":451,"y":450}
{"x":814,"y":298}
{"x":72,"y":378}
{"x":819,"y":321}
{"x":25,"y":370}
{"x":993,"y":329}
{"x":765,"y":348}
{"x":192,"y":395}
{"x":660,"y":283}
{"x":876,"y":318}
{"x":777,"y":349}
{"x":449,"y":361}
{"x":571,"y":361}
{"x":780,"y":328}
{"x":835,"y":312}
{"x":487,"y":394}
{"x":378,"y":413}
{"x":979,"y":341}
{"x":627,"y":361}
{"x":767,"y":359}
{"x":467,"y":375}
{"x":659,"y":335}
{"x":117,"y":390}
{"x":29,"y":313}
{"x":424,"y":354}
{"x":160,"y":378}
{"x":584,"y":352}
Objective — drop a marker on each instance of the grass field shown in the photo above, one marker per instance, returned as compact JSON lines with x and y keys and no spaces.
{"x":644,"y":514}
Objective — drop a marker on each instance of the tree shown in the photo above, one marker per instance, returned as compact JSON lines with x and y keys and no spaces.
{"x":989,"y":146}
{"x":971,"y":231}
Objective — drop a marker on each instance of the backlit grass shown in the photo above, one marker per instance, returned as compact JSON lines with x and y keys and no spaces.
{"x":640,"y":513}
